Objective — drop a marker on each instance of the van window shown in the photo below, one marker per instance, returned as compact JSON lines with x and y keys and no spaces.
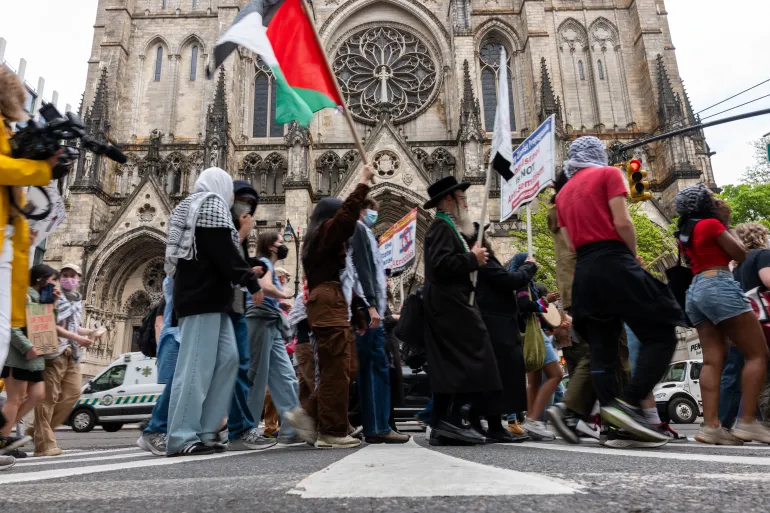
{"x":695,"y":370}
{"x":112,"y":378}
{"x":675,"y":372}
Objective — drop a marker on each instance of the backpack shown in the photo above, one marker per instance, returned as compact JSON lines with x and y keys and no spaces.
{"x":146,"y":336}
{"x":410,"y":330}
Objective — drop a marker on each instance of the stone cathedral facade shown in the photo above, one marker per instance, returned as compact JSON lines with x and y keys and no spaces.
{"x":420,"y":80}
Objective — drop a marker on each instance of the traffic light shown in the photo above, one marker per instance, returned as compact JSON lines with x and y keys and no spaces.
{"x":636,"y":180}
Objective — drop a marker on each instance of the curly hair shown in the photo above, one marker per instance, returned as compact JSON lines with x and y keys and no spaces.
{"x":753,"y":235}
{"x":12,"y":96}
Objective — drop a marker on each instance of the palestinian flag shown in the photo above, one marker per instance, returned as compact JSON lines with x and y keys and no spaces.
{"x":280,"y":32}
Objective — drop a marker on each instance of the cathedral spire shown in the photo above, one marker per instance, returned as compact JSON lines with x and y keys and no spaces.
{"x":98,"y":116}
{"x":688,"y":107}
{"x":217,"y":127}
{"x":549,"y":103}
{"x":469,"y":101}
{"x":470,"y":113}
{"x":669,"y":105}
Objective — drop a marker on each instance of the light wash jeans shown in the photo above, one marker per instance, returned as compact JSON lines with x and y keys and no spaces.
{"x":168,"y":354}
{"x":275,"y":371}
{"x":203,"y":381}
{"x":6,"y":257}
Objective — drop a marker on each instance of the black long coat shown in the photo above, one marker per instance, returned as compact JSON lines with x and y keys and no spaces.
{"x":496,"y":290}
{"x":460,"y":355}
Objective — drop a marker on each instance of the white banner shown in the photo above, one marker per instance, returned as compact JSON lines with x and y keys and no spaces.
{"x":398,"y":245}
{"x":533,"y":169}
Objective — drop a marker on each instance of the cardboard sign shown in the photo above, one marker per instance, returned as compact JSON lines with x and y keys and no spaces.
{"x":397,"y":245}
{"x":41,"y":328}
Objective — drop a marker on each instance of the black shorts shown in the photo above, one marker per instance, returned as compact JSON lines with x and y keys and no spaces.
{"x":22,"y":374}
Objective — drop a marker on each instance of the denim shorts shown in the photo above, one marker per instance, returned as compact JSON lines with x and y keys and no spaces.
{"x":550,"y":353}
{"x":715,"y":296}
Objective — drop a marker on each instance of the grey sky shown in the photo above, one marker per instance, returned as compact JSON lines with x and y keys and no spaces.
{"x":721,"y":50}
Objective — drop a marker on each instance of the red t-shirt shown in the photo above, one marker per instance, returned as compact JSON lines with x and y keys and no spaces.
{"x":583,"y":205}
{"x":703,"y":250}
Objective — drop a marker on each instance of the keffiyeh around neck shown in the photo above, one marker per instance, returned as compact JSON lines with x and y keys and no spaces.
{"x":585,"y":152}
{"x":692,"y":200}
{"x":207,"y":207}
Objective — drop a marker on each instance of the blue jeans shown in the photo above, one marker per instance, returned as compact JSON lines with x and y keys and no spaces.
{"x":424,"y":415}
{"x":373,"y":382}
{"x":634,"y":347}
{"x":730,"y":387}
{"x":204,"y":379}
{"x":168,"y":353}
{"x":275,"y":371}
{"x":240,"y":419}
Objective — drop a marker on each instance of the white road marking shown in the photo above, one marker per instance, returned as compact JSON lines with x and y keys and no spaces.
{"x":63,"y":461}
{"x":695,"y":445}
{"x":81,"y":452}
{"x":653,"y":453}
{"x":409,"y":470}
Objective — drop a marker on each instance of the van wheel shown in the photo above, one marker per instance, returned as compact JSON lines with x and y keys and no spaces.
{"x":83,"y":420}
{"x":111,"y":427}
{"x":682,"y":410}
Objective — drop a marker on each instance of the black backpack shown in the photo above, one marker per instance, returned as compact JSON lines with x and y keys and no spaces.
{"x":146,"y":338}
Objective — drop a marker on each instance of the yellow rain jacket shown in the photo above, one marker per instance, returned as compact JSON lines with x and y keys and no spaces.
{"x":18,"y":172}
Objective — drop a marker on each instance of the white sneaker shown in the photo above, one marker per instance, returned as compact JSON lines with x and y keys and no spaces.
{"x":588,"y":430}
{"x":336,"y":442}
{"x":303,"y":424}
{"x":537,"y":430}
{"x":752,"y":432}
{"x":153,"y":442}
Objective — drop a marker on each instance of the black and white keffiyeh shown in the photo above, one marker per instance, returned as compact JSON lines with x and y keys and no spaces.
{"x":588,"y":151}
{"x":207,"y":207}
{"x":693,"y":199}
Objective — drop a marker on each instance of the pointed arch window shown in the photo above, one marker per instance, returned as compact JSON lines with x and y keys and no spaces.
{"x":489,"y":62}
{"x":195,"y":4}
{"x":194,"y":63}
{"x":158,"y":62}
{"x":162,"y":4}
{"x":580,"y":70}
{"x":265,"y":91}
{"x":601,"y":69}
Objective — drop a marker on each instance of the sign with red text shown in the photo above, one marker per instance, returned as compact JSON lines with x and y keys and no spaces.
{"x":533,"y":169}
{"x":398,"y":245}
{"x":41,"y":328}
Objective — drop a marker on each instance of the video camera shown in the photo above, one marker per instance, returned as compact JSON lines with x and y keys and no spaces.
{"x":38,"y":141}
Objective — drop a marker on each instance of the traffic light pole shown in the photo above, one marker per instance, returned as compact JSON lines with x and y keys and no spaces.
{"x":620,"y":150}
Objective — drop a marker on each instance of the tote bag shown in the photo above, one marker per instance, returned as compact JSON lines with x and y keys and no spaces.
{"x":534,"y":344}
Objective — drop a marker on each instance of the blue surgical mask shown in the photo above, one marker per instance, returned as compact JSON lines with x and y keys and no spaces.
{"x":370,"y":217}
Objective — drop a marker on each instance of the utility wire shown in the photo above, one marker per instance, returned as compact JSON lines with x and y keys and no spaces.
{"x":737,"y":106}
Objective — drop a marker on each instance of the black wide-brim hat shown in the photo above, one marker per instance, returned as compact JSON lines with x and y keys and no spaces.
{"x":442,"y":188}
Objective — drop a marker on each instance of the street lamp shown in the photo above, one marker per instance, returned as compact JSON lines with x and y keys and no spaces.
{"x":288,"y":235}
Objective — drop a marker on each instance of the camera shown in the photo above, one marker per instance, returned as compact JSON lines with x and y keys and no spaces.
{"x":38,"y":141}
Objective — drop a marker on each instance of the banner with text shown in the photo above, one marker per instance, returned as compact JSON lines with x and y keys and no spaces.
{"x":398,"y":245}
{"x":533,"y":169}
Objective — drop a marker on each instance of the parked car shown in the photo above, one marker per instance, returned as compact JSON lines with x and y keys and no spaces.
{"x":678,"y":396}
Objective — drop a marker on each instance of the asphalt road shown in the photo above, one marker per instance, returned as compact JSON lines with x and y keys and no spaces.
{"x":105,"y":472}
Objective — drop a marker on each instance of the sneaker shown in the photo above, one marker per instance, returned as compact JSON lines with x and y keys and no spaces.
{"x":9,"y":443}
{"x":537,"y":430}
{"x":515,"y":428}
{"x":304,"y":424}
{"x":752,"y":432}
{"x":272,"y":435}
{"x":356,"y":432}
{"x":18,"y":454}
{"x":591,"y":429}
{"x":294,"y":439}
{"x":667,"y":430}
{"x":564,"y":422}
{"x":629,"y":418}
{"x":153,"y":442}
{"x":336,"y":442}
{"x":7,"y":462}
{"x":392,"y":437}
{"x":251,"y":441}
{"x":50,"y":452}
{"x":619,"y":439}
{"x":716,"y":436}
{"x":195,"y":449}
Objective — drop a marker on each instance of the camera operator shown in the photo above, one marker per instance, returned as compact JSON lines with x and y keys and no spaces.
{"x":14,"y":231}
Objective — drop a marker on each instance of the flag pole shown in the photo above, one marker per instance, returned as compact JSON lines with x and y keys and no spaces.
{"x":480,"y":238}
{"x":345,"y":111}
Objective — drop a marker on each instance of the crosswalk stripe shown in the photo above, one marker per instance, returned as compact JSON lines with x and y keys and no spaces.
{"x":34,"y":462}
{"x":409,"y":470}
{"x":653,"y":453}
{"x":80,"y":452}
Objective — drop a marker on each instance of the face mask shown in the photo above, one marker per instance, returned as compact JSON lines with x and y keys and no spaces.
{"x":69,"y":283}
{"x":370,"y":217}
{"x":283,"y":252}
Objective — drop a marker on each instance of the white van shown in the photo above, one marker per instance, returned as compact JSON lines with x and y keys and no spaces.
{"x":677,"y":396}
{"x":124,"y":392}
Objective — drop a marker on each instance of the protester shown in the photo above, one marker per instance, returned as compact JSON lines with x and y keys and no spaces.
{"x":461,"y":359}
{"x":719,"y":309}
{"x":324,"y":256}
{"x":268,"y":329}
{"x":393,"y":350}
{"x":202,"y":256}
{"x":611,"y":287}
{"x":63,"y":380}
{"x":496,"y":290}
{"x":303,"y":350}
{"x":373,"y":371}
{"x":23,"y":370}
